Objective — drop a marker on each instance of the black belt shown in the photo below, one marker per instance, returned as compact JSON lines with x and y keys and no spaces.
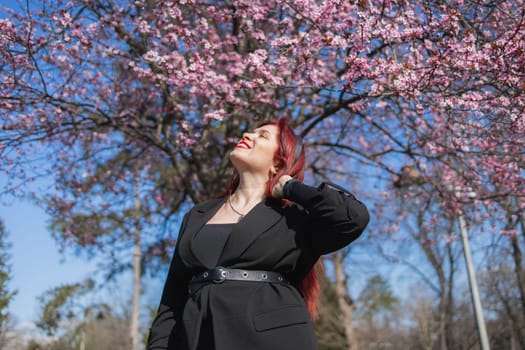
{"x":221,"y":274}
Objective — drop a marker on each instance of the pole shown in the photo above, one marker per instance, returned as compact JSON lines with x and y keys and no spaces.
{"x":478,"y":311}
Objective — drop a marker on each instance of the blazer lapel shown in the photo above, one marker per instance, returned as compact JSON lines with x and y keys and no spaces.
{"x":197,"y":218}
{"x":262,"y":217}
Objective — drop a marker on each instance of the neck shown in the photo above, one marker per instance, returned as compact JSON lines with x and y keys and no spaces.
{"x":251,"y":189}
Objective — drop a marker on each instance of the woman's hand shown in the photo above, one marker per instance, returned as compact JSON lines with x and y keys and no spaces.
{"x":277,"y":190}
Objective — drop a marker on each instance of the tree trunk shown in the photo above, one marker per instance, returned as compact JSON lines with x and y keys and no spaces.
{"x":134,"y":324}
{"x":449,"y":328}
{"x":518,"y":270}
{"x":343,"y":299}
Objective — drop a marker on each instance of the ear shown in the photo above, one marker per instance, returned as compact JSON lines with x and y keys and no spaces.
{"x":274,"y":169}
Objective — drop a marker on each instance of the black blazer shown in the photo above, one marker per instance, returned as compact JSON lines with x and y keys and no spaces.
{"x":255,"y":315}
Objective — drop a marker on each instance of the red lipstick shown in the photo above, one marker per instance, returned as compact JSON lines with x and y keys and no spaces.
{"x":243,"y":144}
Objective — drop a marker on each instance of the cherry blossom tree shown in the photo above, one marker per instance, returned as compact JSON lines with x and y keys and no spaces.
{"x":439,"y":84}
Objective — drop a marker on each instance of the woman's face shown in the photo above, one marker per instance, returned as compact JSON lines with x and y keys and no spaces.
{"x":255,"y":151}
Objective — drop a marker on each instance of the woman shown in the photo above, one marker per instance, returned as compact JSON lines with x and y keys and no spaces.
{"x":242,"y":274}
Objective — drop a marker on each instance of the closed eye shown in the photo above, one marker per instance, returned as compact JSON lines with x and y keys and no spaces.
{"x":265,"y":134}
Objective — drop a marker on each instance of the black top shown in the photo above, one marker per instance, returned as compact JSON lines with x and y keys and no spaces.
{"x":209,"y":243}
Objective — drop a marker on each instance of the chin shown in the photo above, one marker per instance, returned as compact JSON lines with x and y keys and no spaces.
{"x":237,"y":159}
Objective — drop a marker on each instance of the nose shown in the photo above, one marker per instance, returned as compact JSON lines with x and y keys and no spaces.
{"x":247,"y":136}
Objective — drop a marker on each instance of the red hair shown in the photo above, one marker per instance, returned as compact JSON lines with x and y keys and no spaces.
{"x":287,"y":164}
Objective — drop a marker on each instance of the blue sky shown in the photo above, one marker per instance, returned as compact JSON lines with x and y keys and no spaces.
{"x":36,"y":263}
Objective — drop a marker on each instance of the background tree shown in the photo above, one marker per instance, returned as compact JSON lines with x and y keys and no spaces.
{"x":430,"y":249}
{"x":502,"y":299}
{"x":503,"y":278}
{"x":61,"y":304}
{"x":98,"y":328}
{"x":375,"y":303}
{"x":329,"y":327}
{"x":376,"y":298}
{"x":6,"y":294}
{"x":76,"y":323}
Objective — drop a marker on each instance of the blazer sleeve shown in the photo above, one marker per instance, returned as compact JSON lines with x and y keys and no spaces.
{"x":173,"y":298}
{"x":334,"y":217}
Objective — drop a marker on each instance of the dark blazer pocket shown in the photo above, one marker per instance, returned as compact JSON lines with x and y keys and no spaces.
{"x":280,"y":318}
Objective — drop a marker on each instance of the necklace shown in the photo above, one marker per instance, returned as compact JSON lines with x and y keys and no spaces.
{"x":241,"y":215}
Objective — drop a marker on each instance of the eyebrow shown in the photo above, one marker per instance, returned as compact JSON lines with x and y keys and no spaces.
{"x":261,"y":130}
